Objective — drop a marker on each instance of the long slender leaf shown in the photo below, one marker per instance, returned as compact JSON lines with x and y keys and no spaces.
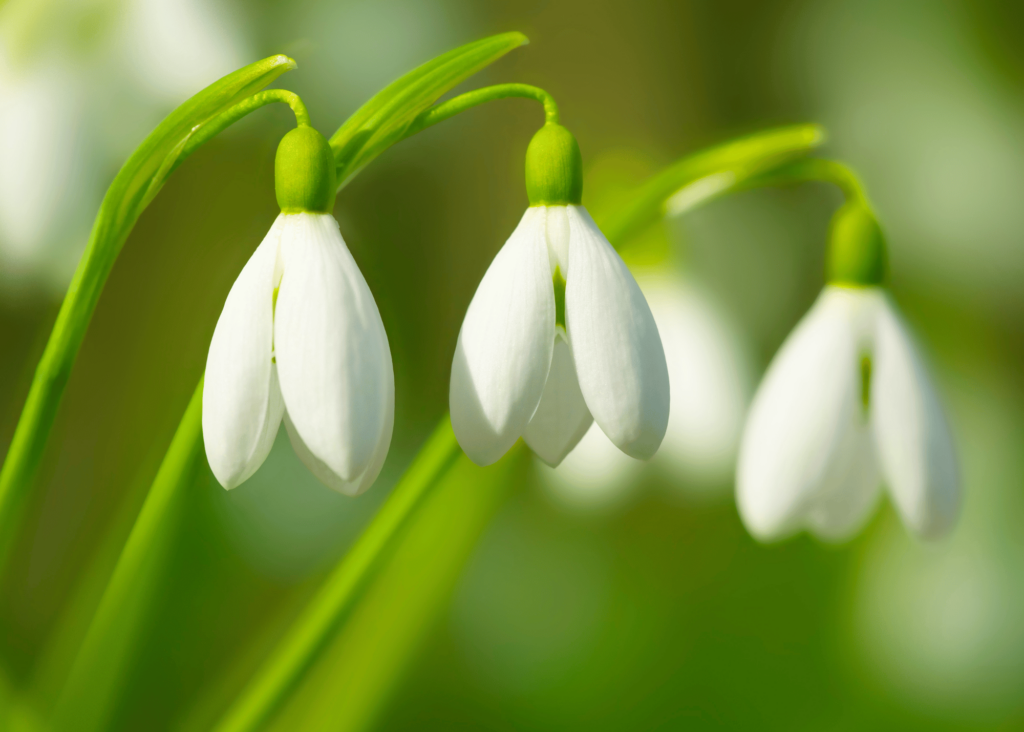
{"x":315,"y":627}
{"x":88,"y":697}
{"x":733,"y":163}
{"x":366,"y":660}
{"x":129,"y":194}
{"x":385,"y":119}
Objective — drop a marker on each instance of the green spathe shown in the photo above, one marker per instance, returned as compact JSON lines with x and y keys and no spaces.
{"x":554,"y":168}
{"x":856,"y":250}
{"x":304,"y":172}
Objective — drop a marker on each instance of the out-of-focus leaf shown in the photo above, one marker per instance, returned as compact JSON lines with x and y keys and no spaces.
{"x":711,"y":173}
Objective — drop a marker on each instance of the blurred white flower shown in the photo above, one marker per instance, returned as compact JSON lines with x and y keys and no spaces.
{"x":846,"y":404}
{"x":595,"y":476}
{"x":710,"y":379}
{"x":300,"y":338}
{"x":518,"y":372}
{"x":80,"y":86}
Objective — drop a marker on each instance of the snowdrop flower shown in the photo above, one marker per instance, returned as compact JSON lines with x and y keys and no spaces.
{"x":846,"y":406}
{"x":300,"y":338}
{"x":558,"y":333}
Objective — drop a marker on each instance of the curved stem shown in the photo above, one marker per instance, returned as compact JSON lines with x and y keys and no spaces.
{"x":452,"y":107}
{"x":807,"y":170}
{"x":226,"y":119}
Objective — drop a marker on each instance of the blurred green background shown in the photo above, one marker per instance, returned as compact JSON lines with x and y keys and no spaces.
{"x":646,"y":607}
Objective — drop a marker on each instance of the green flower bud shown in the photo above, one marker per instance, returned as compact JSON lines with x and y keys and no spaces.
{"x":304,"y":172}
{"x":554,"y":168}
{"x":856,"y":250}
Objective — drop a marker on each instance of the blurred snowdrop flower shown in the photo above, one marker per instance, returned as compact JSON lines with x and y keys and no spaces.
{"x":709,"y":371}
{"x":710,"y":379}
{"x":596,"y":476}
{"x":846,"y":405}
{"x":300,"y":338}
{"x":39,"y":155}
{"x":78,"y":83}
{"x":558,"y":333}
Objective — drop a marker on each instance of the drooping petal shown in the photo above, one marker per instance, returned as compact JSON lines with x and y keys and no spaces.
{"x":504,"y":349}
{"x":332,"y":352}
{"x":914,"y":442}
{"x":851,"y":488}
{"x":619,"y":357}
{"x":242,"y":403}
{"x":562,"y":417}
{"x":800,"y":418}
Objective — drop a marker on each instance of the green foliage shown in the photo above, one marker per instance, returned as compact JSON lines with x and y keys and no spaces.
{"x":734,"y":164}
{"x":390,"y":115}
{"x":103,"y":660}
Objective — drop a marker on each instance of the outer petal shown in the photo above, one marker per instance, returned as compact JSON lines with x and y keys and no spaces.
{"x":504,"y":350}
{"x":332,"y":351}
{"x":619,"y":357}
{"x":242,"y":403}
{"x":800,"y":418}
{"x":562,"y":417}
{"x":912,"y":437}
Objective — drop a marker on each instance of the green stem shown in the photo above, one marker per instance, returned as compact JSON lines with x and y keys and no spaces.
{"x":87,"y":698}
{"x":806,"y":170}
{"x":314,"y":628}
{"x":228,"y":118}
{"x":461,"y":103}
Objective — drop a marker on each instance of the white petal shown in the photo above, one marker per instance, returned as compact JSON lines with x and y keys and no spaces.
{"x":800,"y":418}
{"x":619,"y":357}
{"x":851,"y":489}
{"x":242,"y":404}
{"x":912,"y":437}
{"x":332,"y":351}
{"x":504,"y":350}
{"x":562,"y":417}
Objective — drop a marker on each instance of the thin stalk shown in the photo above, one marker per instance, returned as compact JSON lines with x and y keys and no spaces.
{"x":220,"y":123}
{"x":313,"y":629}
{"x":452,"y":107}
{"x":102,"y":662}
{"x":807,"y":170}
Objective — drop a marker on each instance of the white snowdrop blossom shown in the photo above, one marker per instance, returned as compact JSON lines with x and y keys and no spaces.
{"x":520,"y":371}
{"x":300,"y":339}
{"x":847,"y":406}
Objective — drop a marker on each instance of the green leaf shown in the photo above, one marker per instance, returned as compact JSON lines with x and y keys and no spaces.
{"x":132,"y":190}
{"x":90,"y":694}
{"x":387,"y":117}
{"x":720,"y":169}
{"x":314,"y":628}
